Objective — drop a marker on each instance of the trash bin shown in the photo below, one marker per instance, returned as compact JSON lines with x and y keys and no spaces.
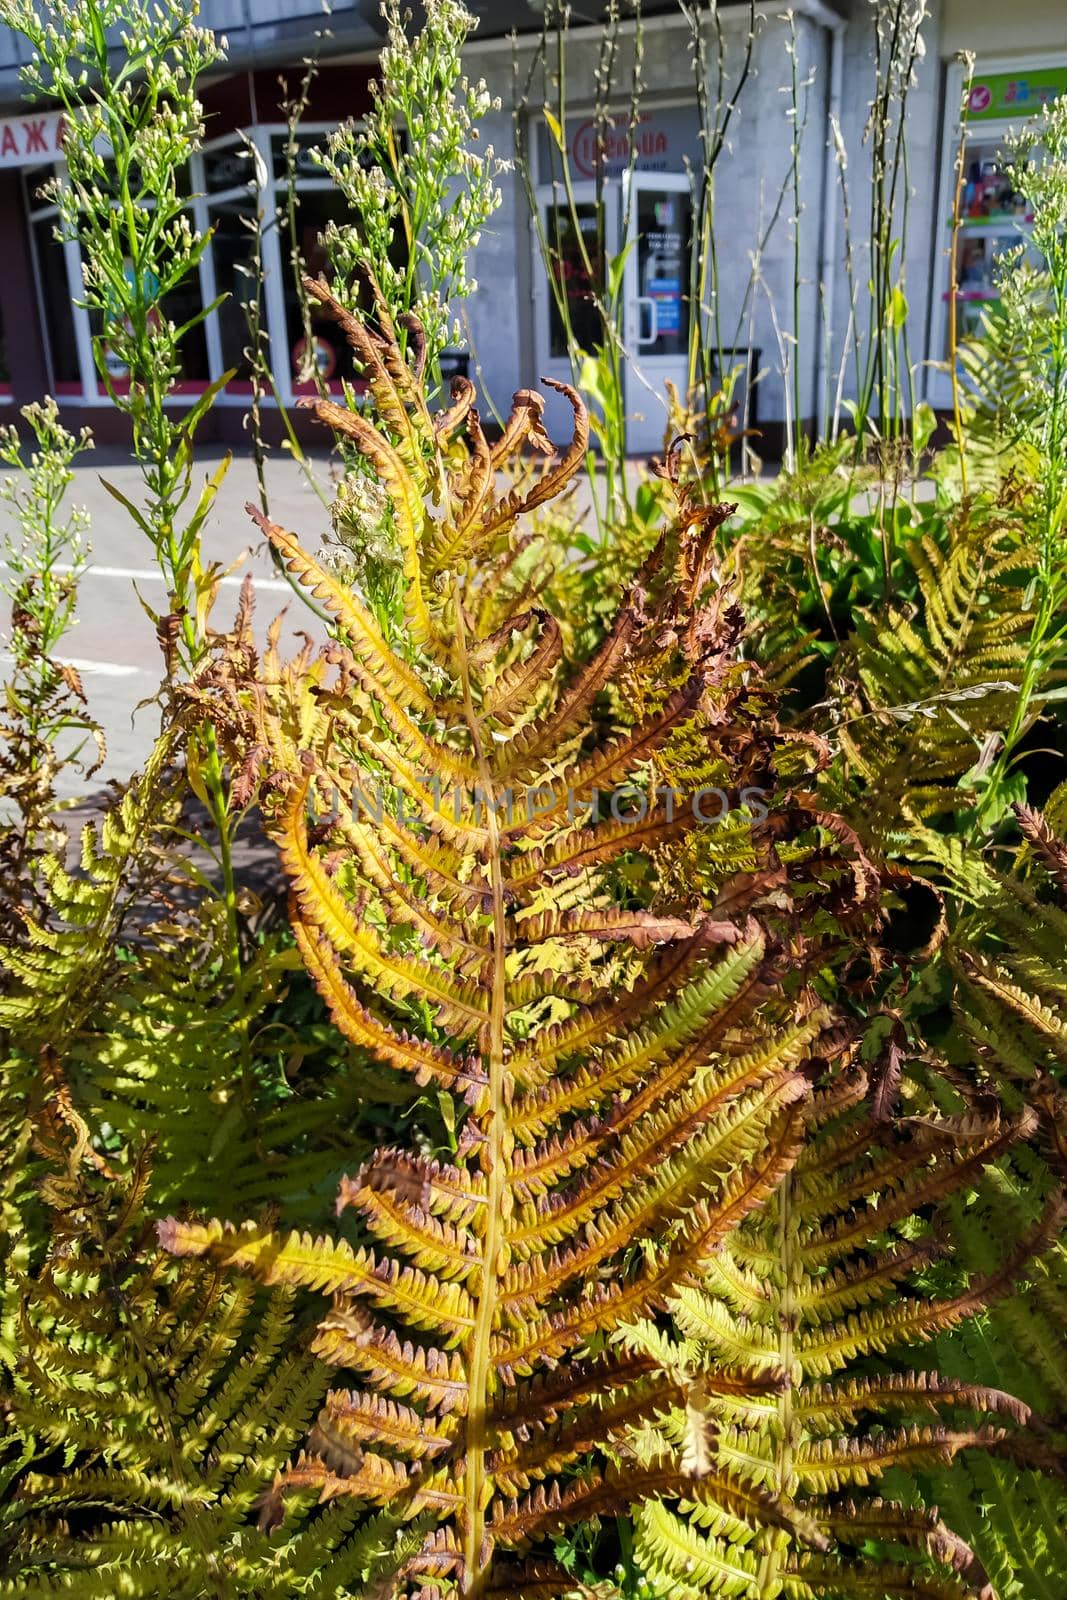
{"x":454,"y":364}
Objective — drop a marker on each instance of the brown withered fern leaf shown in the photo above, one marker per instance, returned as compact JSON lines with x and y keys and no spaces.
{"x":628,"y":1068}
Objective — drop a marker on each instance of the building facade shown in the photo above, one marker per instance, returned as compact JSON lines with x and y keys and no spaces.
{"x":776,"y":263}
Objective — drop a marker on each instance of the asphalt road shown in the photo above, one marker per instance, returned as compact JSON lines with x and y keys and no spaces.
{"x":113,"y":642}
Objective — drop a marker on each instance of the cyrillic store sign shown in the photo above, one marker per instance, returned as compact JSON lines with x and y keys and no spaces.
{"x":29,"y":140}
{"x":1000,"y":95}
{"x":663,"y":139}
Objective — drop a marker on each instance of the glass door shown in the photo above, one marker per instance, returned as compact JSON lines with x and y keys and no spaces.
{"x":578,"y":235}
{"x":658,"y":207}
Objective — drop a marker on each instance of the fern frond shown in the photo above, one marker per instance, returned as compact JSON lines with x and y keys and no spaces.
{"x":1006,"y":955}
{"x":630,"y":1065}
{"x":923,"y":688}
{"x":157,"y":1402}
{"x":831,"y":1275}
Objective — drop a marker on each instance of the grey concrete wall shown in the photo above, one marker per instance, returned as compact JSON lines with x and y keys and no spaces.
{"x":755,"y":211}
{"x":921,"y":227}
{"x":755,"y":228}
{"x":762,"y":240}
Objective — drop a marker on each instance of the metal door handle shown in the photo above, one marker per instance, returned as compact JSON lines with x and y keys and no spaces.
{"x":653,"y":319}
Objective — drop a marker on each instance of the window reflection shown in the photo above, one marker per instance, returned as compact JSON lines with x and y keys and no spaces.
{"x":330,"y":351}
{"x":60,"y":345}
{"x":575,"y":242}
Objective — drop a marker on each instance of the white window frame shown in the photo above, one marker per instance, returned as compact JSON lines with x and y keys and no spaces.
{"x":274,"y":261}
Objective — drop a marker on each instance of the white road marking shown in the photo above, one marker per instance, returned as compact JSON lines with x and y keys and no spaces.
{"x":99,"y":669}
{"x":153,"y":575}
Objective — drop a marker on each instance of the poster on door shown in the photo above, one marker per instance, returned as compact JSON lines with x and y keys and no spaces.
{"x":663,"y":254}
{"x":667,"y":295}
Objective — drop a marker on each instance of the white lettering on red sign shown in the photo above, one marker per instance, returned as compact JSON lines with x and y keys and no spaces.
{"x":25,"y":141}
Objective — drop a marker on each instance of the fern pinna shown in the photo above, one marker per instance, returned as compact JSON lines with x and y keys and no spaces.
{"x":474,"y":923}
{"x":1011,"y":1003}
{"x":811,"y":1293}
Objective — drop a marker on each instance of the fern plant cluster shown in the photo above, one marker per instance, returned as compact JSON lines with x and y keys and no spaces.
{"x":912,"y":654}
{"x":650,"y":1238}
{"x":633,"y":1162}
{"x":917,"y":686}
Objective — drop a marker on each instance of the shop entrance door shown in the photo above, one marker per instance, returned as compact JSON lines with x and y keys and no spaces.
{"x":579,"y":234}
{"x":658,"y":207}
{"x":582,"y":235}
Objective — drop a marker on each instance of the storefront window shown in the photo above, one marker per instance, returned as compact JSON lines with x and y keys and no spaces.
{"x":53,"y":285}
{"x":574,"y":242}
{"x":316,"y":203}
{"x":303,"y":158}
{"x":292,"y":241}
{"x":232,"y":214}
{"x":178,"y":307}
{"x":243,"y":270}
{"x":315,"y":209}
{"x":183,"y":182}
{"x":227,"y":166}
{"x":994,"y":219}
{"x":68,"y":324}
{"x":237,"y":276}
